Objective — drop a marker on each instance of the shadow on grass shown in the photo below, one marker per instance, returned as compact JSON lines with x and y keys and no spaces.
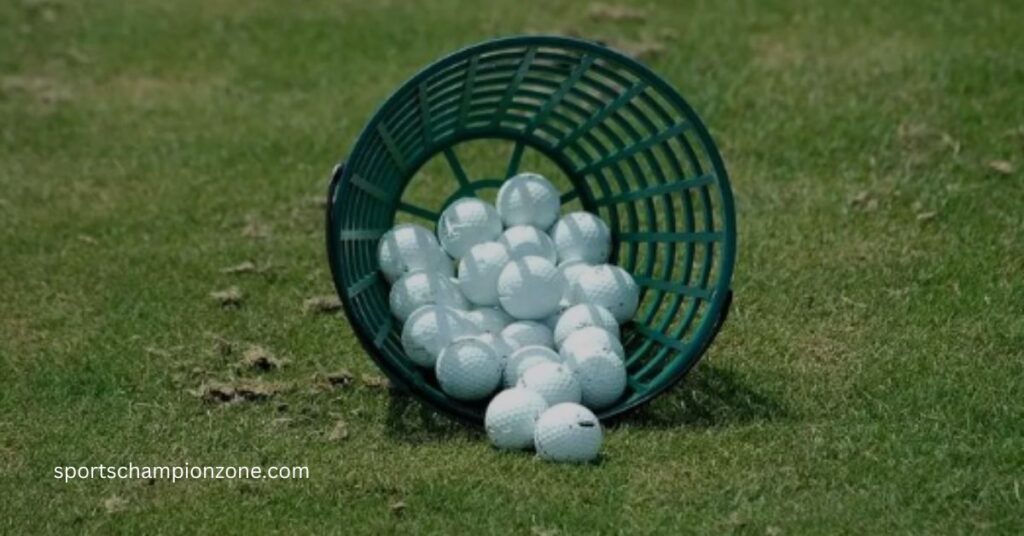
{"x":708,"y":397}
{"x":411,"y":421}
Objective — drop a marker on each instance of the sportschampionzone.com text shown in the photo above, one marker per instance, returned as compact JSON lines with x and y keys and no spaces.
{"x":175,"y":473}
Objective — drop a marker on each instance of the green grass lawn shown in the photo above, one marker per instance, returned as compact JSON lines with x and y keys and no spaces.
{"x":870,"y":379}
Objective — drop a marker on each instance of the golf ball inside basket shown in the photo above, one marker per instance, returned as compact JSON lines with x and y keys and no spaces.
{"x":468,"y":369}
{"x":511,"y":417}
{"x":528,"y":199}
{"x":526,"y":357}
{"x":608,"y":286}
{"x":500,"y":347}
{"x":488,"y":319}
{"x":530,"y":288}
{"x":568,"y":433}
{"x":429,"y":329}
{"x":581,"y":316}
{"x":528,"y":333}
{"x":582,"y":236}
{"x":416,"y":289}
{"x":554,"y":381}
{"x":589,"y":339}
{"x":602,"y":376}
{"x":466,"y":223}
{"x":523,"y":241}
{"x":407,"y":248}
{"x":479,"y":269}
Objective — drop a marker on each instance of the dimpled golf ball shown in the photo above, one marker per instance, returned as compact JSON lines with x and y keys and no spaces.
{"x":466,"y":223}
{"x":500,"y":347}
{"x":568,"y":433}
{"x":554,"y":381}
{"x":582,"y":236}
{"x":588,"y":339}
{"x":610,"y":287}
{"x":416,"y":289}
{"x":571,"y":271}
{"x":526,"y":357}
{"x":479,"y":269}
{"x":488,"y":319}
{"x":407,"y":248}
{"x":528,"y":199}
{"x":581,"y":316}
{"x":429,"y":329}
{"x":511,"y":417}
{"x":523,"y":241}
{"x":528,"y":333}
{"x":530,"y":288}
{"x":602,"y":376}
{"x":468,"y":369}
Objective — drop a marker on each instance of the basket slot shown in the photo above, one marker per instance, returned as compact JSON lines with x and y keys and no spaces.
{"x":389,"y":142}
{"x":672,"y":236}
{"x":457,"y":169}
{"x":515,"y":159}
{"x":421,"y":96}
{"x":657,"y":336}
{"x":658,"y":189}
{"x":636,"y":148}
{"x":418,"y":211}
{"x":560,"y":93}
{"x":382,"y":332}
{"x":372,"y":189}
{"x":516,"y":81}
{"x":361,"y":234}
{"x":567,"y":197}
{"x":602,"y":114}
{"x":675,"y":288}
{"x":467,"y":89}
{"x":362,"y":284}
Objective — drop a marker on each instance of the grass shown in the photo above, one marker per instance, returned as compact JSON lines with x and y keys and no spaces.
{"x":868,"y":381}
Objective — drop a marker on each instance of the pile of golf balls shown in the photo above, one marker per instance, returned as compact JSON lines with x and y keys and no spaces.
{"x":519,"y":300}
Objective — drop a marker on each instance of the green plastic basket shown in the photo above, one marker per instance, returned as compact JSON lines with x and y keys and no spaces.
{"x":632,"y":151}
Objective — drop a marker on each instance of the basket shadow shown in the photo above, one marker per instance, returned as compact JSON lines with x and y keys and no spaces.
{"x":413,"y":422}
{"x":708,"y":397}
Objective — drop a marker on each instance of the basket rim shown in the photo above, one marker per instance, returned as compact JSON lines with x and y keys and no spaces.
{"x":722,"y":289}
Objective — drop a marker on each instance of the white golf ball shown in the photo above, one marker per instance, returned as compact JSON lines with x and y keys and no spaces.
{"x":568,"y":433}
{"x":582,"y":236}
{"x":528,"y":333}
{"x":530,"y":288}
{"x":499,"y":345}
{"x":416,"y":289}
{"x":528,"y":199}
{"x":571,"y":271}
{"x":581,"y":316}
{"x":602,"y":376}
{"x":523,"y":241}
{"x":525,"y":358}
{"x":468,"y":369}
{"x":466,"y":223}
{"x":554,"y":381}
{"x":479,"y":269}
{"x":511,"y":417}
{"x":590,"y":339}
{"x":488,"y":319}
{"x":407,"y":248}
{"x":429,"y":329}
{"x":610,"y":287}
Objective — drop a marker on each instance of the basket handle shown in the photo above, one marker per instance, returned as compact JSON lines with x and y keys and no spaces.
{"x":336,"y":174}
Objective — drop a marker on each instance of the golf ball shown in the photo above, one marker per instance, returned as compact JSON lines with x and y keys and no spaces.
{"x":528,"y":199}
{"x":590,"y":339}
{"x":582,"y":236}
{"x":528,"y":333}
{"x":524,"y":240}
{"x":466,"y":223}
{"x":479,"y":269}
{"x":568,"y":433}
{"x":407,"y":248}
{"x":429,"y":329}
{"x":602,"y":376}
{"x":468,"y":369}
{"x":511,"y":417}
{"x":609,"y":286}
{"x":530,"y":288}
{"x":581,"y":316}
{"x":554,"y":381}
{"x":416,"y":289}
{"x":488,"y":319}
{"x":526,"y":357}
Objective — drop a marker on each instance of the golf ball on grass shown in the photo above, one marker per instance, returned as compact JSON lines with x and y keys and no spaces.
{"x":582,"y":316}
{"x":526,"y":357}
{"x":479,"y":270}
{"x":527,"y":333}
{"x":568,"y":433}
{"x":602,"y":376}
{"x":407,"y":248}
{"x":528,"y":199}
{"x":431,"y":328}
{"x":466,"y":223}
{"x":582,"y":236}
{"x":416,"y":289}
{"x":468,"y":369}
{"x":554,"y":381}
{"x":511,"y":417}
{"x":530,"y":288}
{"x":609,"y":286}
{"x":524,"y":240}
